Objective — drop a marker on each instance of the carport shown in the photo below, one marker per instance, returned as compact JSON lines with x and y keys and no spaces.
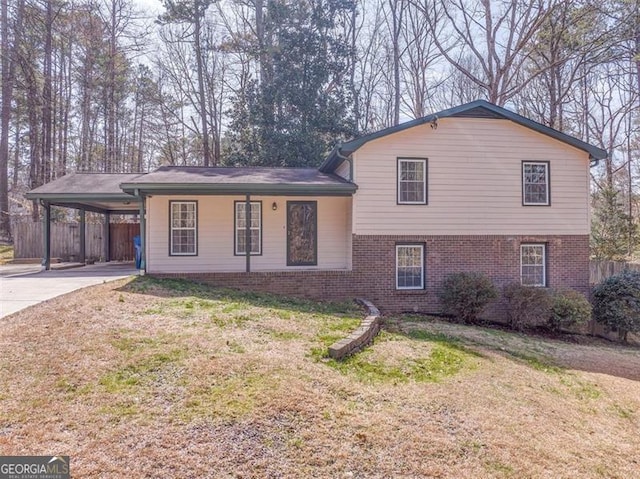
{"x":95,"y":192}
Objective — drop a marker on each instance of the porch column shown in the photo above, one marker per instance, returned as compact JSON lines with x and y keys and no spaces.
{"x":247,"y":231}
{"x":106,"y":234}
{"x":143,"y":234}
{"x":46,"y":223}
{"x":83,"y":237}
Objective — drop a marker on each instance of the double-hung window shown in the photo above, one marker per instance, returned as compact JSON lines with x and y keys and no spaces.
{"x":255,"y":228}
{"x":535,"y":183}
{"x":410,"y":266}
{"x":183,"y":240}
{"x":533,"y":264}
{"x":412,"y":181}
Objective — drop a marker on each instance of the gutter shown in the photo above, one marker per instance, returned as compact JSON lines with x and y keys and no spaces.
{"x":345,"y":189}
{"x":349,"y":159}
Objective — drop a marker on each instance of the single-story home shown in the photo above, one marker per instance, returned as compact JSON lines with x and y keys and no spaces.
{"x":386,"y":216}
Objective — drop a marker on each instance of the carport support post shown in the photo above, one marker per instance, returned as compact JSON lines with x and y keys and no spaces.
{"x":83,"y":237}
{"x":143,"y":228}
{"x":46,"y":220}
{"x":247,"y":231}
{"x":107,"y":237}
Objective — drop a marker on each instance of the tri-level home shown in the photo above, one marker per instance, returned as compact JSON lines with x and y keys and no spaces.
{"x":387,"y":216}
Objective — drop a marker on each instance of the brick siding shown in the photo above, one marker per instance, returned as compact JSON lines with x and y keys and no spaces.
{"x":373,"y":273}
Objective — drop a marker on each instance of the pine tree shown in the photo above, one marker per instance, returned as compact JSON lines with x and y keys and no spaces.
{"x":301,"y":107}
{"x":613,"y":233}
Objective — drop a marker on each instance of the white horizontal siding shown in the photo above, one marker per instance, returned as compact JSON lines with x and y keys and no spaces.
{"x":474,"y":181}
{"x":216,"y":235}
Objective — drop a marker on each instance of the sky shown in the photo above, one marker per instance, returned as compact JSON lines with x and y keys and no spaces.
{"x":149,"y":6}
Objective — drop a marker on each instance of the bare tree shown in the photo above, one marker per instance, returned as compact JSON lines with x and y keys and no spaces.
{"x":192,"y":13}
{"x":495,"y":35}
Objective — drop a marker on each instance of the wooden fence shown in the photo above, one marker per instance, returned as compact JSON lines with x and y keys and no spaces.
{"x":65,"y":241}
{"x":599,"y":270}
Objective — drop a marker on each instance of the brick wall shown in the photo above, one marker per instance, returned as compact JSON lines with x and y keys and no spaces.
{"x":373,"y":274}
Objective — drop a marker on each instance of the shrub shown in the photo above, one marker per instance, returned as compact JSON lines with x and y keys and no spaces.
{"x":569,"y":308}
{"x":527,"y":306}
{"x":465,"y":295}
{"x":616,"y":303}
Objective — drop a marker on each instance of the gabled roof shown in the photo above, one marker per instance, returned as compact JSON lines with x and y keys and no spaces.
{"x":475,"y":109}
{"x":251,"y":180}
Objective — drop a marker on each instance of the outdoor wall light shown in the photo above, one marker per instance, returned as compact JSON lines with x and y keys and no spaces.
{"x":274,"y":206}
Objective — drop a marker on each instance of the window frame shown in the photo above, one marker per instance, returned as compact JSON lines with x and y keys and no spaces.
{"x":194,"y":228}
{"x":244,"y":231}
{"x":425,"y":191}
{"x":547,"y":166}
{"x":423,"y":268}
{"x":545,"y":281}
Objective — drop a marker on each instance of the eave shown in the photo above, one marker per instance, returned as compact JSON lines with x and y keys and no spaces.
{"x":345,"y":189}
{"x":475,"y":109}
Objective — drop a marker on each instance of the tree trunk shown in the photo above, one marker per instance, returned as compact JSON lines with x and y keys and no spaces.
{"x":45,"y":163}
{"x":201,"y":93}
{"x":8,"y":75}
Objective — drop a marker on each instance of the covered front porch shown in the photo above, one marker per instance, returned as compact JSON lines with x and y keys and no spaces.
{"x":245,"y":220}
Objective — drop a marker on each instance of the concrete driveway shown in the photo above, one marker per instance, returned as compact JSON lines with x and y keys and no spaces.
{"x":28,"y":285}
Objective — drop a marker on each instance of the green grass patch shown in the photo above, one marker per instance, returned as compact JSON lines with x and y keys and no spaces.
{"x":71,"y":388}
{"x":443,"y":340}
{"x":623,"y":412}
{"x":505,"y":470}
{"x":120,"y":411}
{"x":443,"y":361}
{"x":284,"y":335}
{"x":206,"y":296}
{"x":536,"y":362}
{"x":141,"y":372}
{"x":229,"y":398}
{"x":581,"y":389}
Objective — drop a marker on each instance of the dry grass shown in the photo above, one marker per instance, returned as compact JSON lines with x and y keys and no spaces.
{"x":6,"y":253}
{"x":144,"y":378}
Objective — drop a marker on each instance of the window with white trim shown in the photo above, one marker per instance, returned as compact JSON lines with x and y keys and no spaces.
{"x":183,"y":225}
{"x":255,"y":228}
{"x":410,"y":266}
{"x":412,"y":181}
{"x":533,"y":264}
{"x":535,"y":183}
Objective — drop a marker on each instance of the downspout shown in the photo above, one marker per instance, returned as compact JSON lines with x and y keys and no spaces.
{"x":348,"y":159}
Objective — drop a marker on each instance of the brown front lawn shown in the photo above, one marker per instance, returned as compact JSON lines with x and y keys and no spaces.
{"x":147,"y":378}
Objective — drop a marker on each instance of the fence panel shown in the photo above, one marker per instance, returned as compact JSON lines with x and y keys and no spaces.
{"x":121,"y":237}
{"x":600,"y":270}
{"x":65,"y":240}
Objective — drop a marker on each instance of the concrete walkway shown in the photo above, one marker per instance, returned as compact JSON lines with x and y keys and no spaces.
{"x":28,"y":285}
